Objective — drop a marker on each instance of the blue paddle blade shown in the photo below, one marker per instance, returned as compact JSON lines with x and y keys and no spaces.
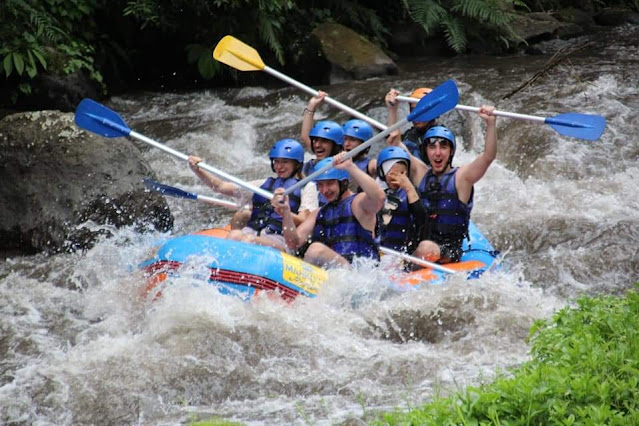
{"x":582,"y":126}
{"x":169,"y":190}
{"x":100,"y":120}
{"x":442,"y":99}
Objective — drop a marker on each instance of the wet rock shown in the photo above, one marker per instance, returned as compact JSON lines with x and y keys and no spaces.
{"x":60,"y":92}
{"x":535,"y":27}
{"x":351,"y":55}
{"x":58,"y":182}
{"x":616,"y":17}
{"x":580,"y":17}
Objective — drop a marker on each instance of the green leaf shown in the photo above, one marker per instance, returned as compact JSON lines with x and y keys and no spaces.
{"x":19,"y":63}
{"x":207,"y":66}
{"x":8,"y":65}
{"x":38,"y":55}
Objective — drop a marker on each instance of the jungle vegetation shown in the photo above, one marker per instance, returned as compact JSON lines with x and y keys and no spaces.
{"x":123,"y":43}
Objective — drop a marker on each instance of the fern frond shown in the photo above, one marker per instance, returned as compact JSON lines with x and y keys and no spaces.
{"x":429,"y":14}
{"x":483,"y":11}
{"x":454,"y":33}
{"x":268,"y":33}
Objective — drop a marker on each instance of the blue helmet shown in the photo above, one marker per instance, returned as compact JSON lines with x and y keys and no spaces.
{"x":328,"y":130}
{"x":287,"y":148}
{"x":391,"y":153}
{"x":330,"y":174}
{"x":439,"y":132}
{"x":358,"y":129}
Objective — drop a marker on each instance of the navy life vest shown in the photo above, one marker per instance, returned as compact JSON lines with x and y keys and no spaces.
{"x":398,"y":234}
{"x":413,"y":139}
{"x":362,"y":164}
{"x":263,"y":215}
{"x":448,"y":217}
{"x":308,"y":167}
{"x":337,"y":227}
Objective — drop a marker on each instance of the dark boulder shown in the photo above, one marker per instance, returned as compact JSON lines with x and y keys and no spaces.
{"x":616,"y":17}
{"x":57,"y":182}
{"x":352,"y":57}
{"x":535,"y":27}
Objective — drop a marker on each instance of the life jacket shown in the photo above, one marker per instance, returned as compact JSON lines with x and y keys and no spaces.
{"x":308,"y":167}
{"x":413,"y":139}
{"x":362,"y":163}
{"x":263,"y":215}
{"x":337,"y":227}
{"x":448,"y":217}
{"x":399,"y":233}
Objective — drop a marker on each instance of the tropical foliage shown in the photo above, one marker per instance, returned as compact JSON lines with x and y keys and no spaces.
{"x":457,"y":18}
{"x":123,"y":39}
{"x":49,"y":35}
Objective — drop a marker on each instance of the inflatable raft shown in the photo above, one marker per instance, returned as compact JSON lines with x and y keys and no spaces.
{"x":245,"y":270}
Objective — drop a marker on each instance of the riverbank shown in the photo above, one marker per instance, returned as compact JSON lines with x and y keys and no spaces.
{"x":120,"y":49}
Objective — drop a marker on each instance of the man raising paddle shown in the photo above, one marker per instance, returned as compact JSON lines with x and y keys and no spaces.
{"x":446,"y":191}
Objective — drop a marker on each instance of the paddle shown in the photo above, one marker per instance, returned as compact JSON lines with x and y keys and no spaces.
{"x":233,"y":52}
{"x":582,"y":126}
{"x":442,"y":99}
{"x":417,"y":260}
{"x":99,"y":119}
{"x":180,"y":193}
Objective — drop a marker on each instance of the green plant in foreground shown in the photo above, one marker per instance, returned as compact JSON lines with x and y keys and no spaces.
{"x":585,"y":370}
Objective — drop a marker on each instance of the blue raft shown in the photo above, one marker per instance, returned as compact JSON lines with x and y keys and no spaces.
{"x":244,"y":269}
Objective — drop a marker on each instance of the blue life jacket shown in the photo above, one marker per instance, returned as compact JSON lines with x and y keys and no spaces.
{"x":337,"y":227}
{"x":263,"y":215}
{"x":308,"y":167}
{"x":413,"y":139}
{"x":362,"y":163}
{"x":448,"y":217}
{"x":398,"y":234}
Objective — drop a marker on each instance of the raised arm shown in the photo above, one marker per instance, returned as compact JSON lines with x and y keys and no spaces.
{"x":392,"y":106}
{"x":372,"y":198}
{"x":475,"y":170}
{"x":217,"y":184}
{"x":307,"y":119}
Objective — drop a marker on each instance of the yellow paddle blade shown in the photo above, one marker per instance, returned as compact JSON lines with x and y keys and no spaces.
{"x":234,"y":53}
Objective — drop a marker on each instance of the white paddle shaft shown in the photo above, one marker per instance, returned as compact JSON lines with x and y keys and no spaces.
{"x":476,"y":109}
{"x":417,"y":260}
{"x":327,"y":99}
{"x":203,"y":165}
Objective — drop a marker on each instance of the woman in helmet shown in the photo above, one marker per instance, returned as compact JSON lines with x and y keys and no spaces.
{"x":446,"y":192}
{"x":403,"y":210}
{"x":413,"y":138}
{"x":342,"y":229}
{"x":265,"y":225}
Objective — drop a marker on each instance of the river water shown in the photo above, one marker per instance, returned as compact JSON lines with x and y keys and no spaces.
{"x":78,"y":347}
